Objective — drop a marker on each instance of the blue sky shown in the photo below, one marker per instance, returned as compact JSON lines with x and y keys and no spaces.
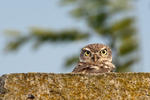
{"x":24,"y":14}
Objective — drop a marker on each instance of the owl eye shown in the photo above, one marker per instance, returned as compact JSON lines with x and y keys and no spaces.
{"x":87,"y":53}
{"x":103,"y":52}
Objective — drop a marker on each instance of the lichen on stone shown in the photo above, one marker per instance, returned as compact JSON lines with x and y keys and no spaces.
{"x":50,"y":86}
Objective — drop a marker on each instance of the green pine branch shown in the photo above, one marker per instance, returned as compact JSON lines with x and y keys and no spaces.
{"x":41,"y":36}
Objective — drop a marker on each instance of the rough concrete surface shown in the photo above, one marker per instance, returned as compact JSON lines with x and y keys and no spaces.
{"x":49,"y":86}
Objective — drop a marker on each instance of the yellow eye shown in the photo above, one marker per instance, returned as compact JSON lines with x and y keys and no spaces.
{"x":87,"y":53}
{"x":103,"y":52}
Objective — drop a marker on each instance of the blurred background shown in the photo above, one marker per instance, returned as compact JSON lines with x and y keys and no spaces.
{"x":47,"y":35}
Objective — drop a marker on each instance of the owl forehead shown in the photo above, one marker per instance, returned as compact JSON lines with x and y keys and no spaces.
{"x":95,"y":47}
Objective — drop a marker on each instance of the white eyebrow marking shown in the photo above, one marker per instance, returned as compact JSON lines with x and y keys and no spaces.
{"x":103,"y":48}
{"x":86,"y":49}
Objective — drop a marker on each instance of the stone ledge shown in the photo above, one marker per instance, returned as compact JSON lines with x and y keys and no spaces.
{"x":49,"y":86}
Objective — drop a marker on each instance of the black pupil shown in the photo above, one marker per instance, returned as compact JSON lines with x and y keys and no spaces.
{"x":103,"y":51}
{"x":88,"y":52}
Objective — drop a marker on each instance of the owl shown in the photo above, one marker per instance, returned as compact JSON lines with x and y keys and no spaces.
{"x":95,"y":58}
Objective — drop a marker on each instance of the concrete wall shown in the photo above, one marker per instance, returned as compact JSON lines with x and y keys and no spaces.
{"x":49,"y":86}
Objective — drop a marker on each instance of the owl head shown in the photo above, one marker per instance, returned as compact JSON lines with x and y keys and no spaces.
{"x":95,"y":53}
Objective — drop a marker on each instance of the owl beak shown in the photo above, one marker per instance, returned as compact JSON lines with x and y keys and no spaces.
{"x":95,"y":58}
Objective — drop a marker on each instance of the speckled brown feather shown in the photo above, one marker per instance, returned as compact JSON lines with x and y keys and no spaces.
{"x":95,"y":47}
{"x":94,"y":68}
